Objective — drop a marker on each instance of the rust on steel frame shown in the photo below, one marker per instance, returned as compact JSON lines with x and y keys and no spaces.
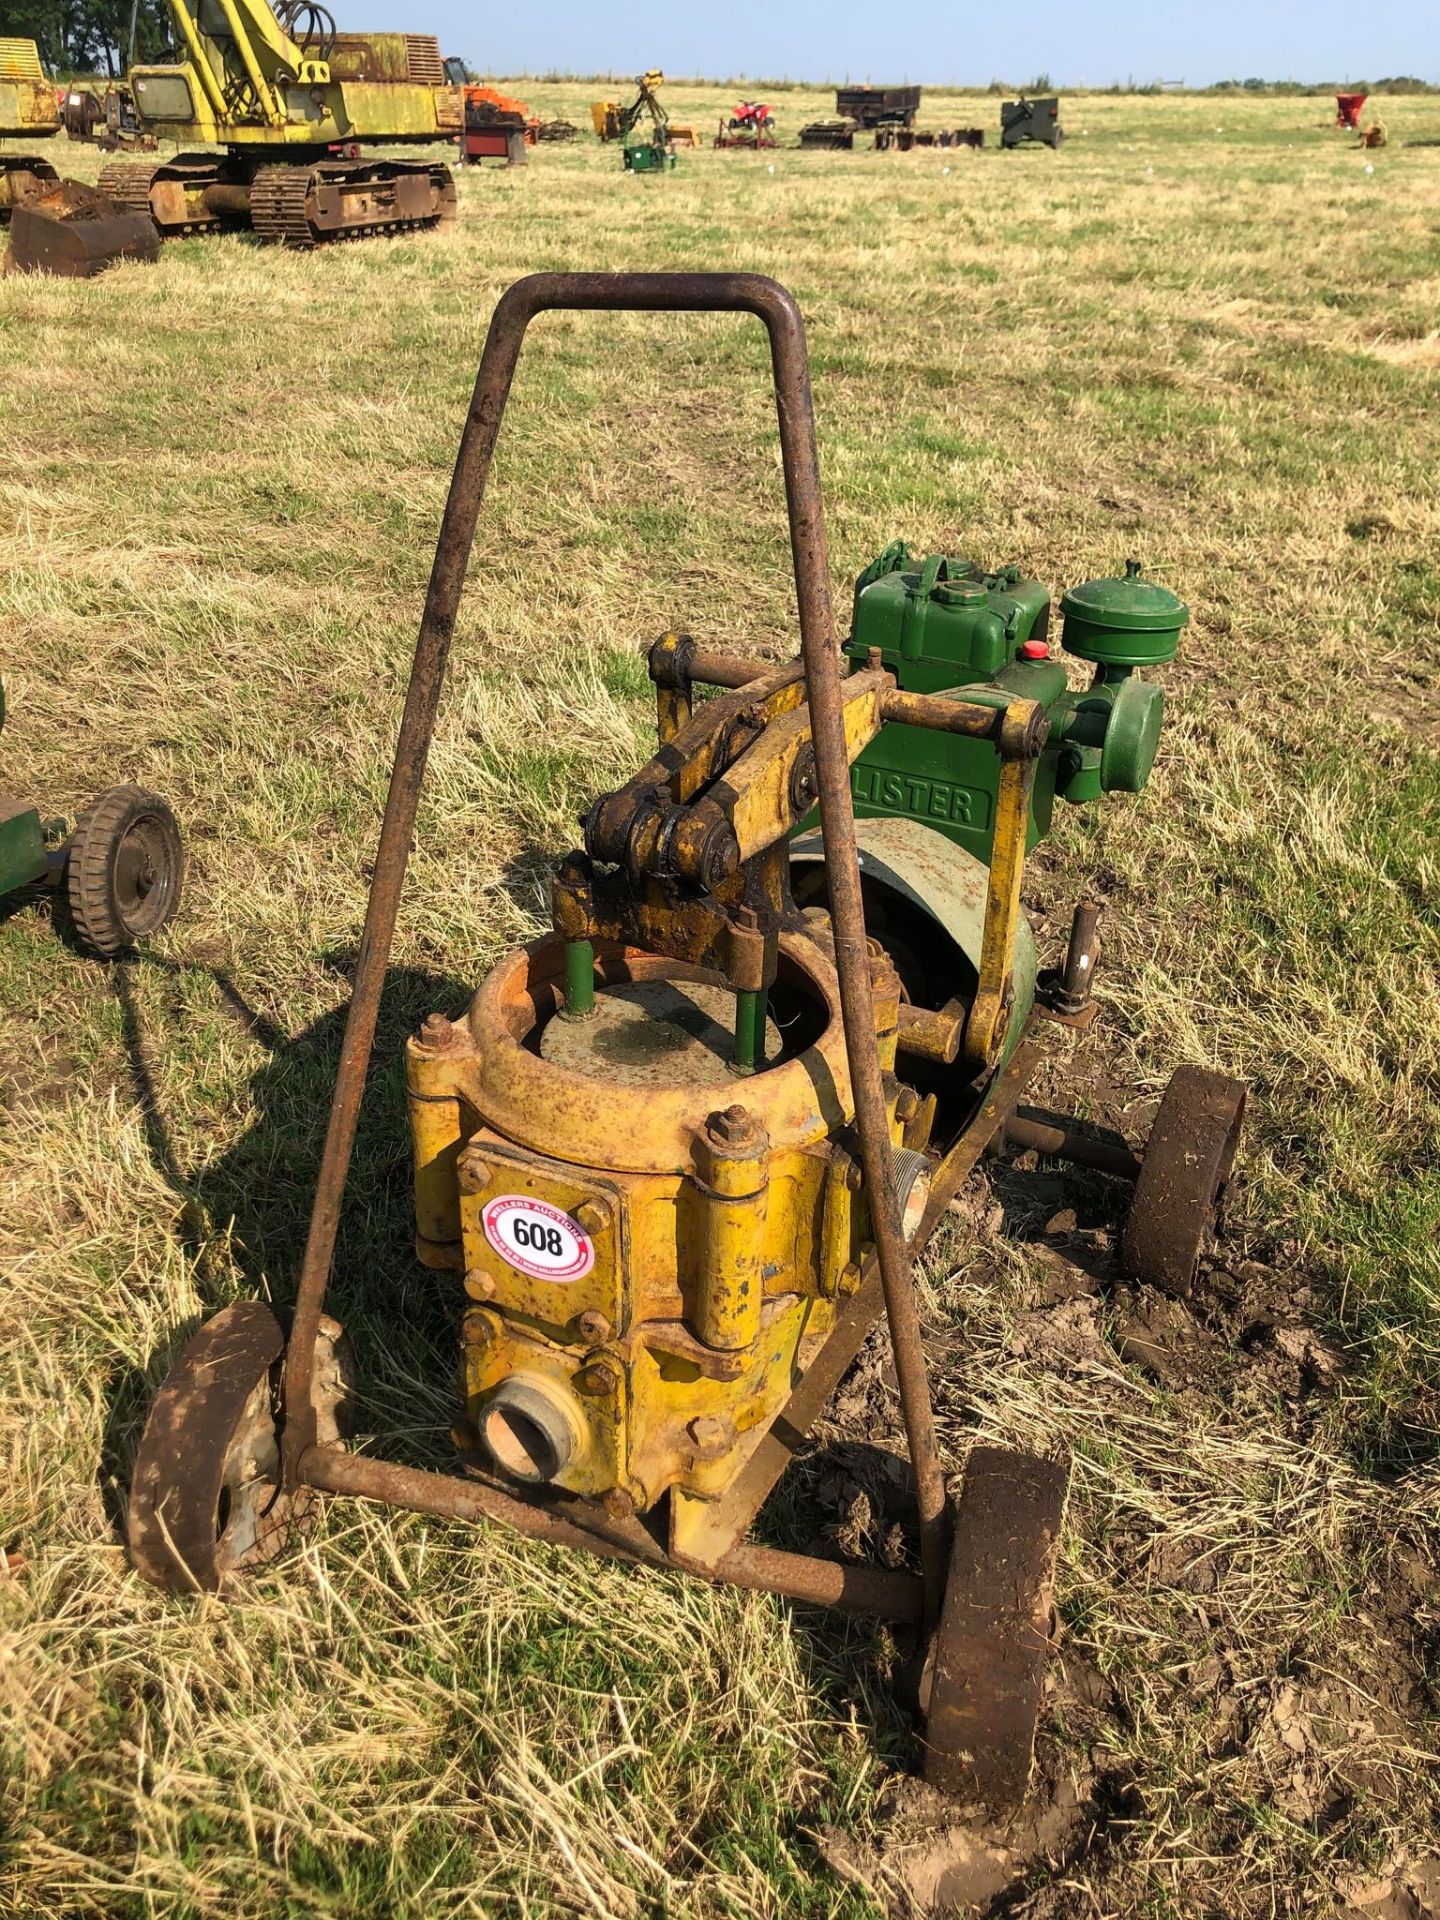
{"x":302,"y":1461}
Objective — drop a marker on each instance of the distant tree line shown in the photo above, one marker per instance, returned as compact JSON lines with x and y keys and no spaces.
{"x":1395,"y":83}
{"x":89,"y":36}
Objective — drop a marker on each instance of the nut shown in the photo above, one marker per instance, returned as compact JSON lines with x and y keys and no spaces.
{"x":619,"y":1503}
{"x":479,"y":1284}
{"x":907,"y":1104}
{"x":440,"y":1035}
{"x":598,"y":1378}
{"x":472,"y":1175}
{"x":709,"y":1437}
{"x":804,"y":780}
{"x":593,"y":1326}
{"x":849,"y":1281}
{"x":720,"y":855}
{"x":884,"y":980}
{"x":735,"y":1127}
{"x":477,"y":1328}
{"x":592,"y":1218}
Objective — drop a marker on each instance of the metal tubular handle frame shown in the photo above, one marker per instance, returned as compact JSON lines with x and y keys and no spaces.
{"x":643,"y":293}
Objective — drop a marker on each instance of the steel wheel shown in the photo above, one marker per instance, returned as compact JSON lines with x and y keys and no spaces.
{"x":124,"y":869}
{"x":985,"y":1676}
{"x":1181,"y":1188}
{"x":205,"y":1501}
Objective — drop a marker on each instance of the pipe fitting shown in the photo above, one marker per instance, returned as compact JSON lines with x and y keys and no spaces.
{"x":531,"y":1428}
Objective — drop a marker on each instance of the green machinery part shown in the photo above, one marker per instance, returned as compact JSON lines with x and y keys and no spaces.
{"x":121,"y":862}
{"x":943,"y":625}
{"x":24,"y":837}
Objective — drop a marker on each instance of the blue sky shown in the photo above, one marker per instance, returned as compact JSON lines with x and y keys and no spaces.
{"x":1094,"y":43}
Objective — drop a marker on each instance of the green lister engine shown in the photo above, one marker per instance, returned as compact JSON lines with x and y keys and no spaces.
{"x":942,"y":624}
{"x":928,"y":802}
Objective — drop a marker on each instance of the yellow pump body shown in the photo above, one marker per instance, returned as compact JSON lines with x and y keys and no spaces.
{"x":652,"y":1261}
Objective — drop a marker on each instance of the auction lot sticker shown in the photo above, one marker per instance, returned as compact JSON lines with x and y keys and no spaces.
{"x":538,"y":1239}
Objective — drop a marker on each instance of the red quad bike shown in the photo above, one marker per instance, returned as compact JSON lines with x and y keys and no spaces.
{"x":751,"y":125}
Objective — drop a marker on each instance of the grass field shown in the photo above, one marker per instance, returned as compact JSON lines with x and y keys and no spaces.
{"x":1205,"y":333}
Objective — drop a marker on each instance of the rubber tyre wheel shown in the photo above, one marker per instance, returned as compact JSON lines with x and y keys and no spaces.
{"x":124,"y":869}
{"x":204,"y":1496}
{"x":1181,"y":1189}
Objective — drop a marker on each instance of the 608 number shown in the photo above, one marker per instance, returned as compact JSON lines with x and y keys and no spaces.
{"x":536,"y":1235}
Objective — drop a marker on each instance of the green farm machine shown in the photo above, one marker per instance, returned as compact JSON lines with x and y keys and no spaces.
{"x":121,"y":863}
{"x":675,"y":1158}
{"x":1036,"y":122}
{"x":643,"y":127}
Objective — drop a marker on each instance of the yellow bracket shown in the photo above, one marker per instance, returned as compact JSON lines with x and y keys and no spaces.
{"x":674,"y":705}
{"x":758,"y":793}
{"x":756,"y":796}
{"x":990,"y":1014}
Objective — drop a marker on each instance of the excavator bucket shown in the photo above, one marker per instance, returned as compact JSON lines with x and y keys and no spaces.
{"x":74,"y":232}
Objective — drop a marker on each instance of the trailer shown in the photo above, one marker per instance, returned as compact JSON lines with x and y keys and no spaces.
{"x":871,"y":107}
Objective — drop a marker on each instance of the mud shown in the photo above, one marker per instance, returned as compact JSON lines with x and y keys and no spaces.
{"x":1406,"y":1890}
{"x":42,"y":1078}
{"x":938,"y":1858}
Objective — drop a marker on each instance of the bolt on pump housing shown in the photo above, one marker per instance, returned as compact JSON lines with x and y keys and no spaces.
{"x":679,"y":1152}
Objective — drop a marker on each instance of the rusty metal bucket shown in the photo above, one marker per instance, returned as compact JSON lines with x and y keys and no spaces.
{"x":74,"y":232}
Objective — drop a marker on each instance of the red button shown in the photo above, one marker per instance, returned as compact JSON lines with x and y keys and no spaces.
{"x":1035,"y":650}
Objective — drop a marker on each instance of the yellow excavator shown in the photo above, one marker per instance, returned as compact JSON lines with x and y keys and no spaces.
{"x":28,"y":111}
{"x":282,"y":101}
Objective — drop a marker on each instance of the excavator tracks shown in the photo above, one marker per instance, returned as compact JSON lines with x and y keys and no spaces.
{"x":309,"y":206}
{"x":171,"y":192}
{"x":277,"y":205}
{"x":294,"y":203}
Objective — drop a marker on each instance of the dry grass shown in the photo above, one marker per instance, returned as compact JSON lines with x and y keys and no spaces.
{"x":1204,"y":333}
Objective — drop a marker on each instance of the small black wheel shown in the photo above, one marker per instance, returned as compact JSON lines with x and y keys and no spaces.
{"x":1181,"y":1189}
{"x":125,"y":865}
